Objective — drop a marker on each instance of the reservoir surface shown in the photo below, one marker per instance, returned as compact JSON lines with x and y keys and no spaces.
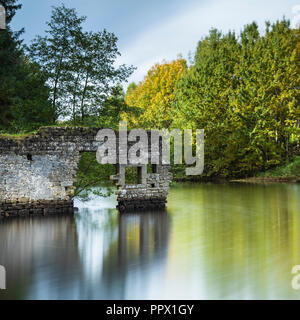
{"x":214,"y":241}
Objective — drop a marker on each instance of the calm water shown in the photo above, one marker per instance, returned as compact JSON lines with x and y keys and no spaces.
{"x":216,"y":241}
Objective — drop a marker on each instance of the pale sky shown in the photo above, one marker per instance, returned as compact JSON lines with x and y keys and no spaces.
{"x":157,"y":30}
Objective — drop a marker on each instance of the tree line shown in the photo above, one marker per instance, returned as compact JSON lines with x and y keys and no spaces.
{"x":243,"y":90}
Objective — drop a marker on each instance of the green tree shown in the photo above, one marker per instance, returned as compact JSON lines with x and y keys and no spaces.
{"x":202,"y":97}
{"x":92,"y":177}
{"x":10,"y":54}
{"x":31,"y":108}
{"x":154,"y":96}
{"x":268,"y":93}
{"x":111,"y":112}
{"x":54,"y":53}
{"x":245,"y":93}
{"x":80,"y":65}
{"x":22,"y":85}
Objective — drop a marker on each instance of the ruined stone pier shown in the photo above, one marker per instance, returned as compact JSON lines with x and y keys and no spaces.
{"x":37,"y":174}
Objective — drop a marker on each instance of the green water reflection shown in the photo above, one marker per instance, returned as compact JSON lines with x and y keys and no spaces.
{"x":216,"y":241}
{"x":238,"y":241}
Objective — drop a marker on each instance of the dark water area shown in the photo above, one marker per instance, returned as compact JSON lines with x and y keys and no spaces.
{"x":215,"y":241}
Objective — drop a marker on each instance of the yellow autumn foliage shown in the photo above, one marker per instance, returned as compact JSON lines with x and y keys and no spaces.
{"x":153,"y":97}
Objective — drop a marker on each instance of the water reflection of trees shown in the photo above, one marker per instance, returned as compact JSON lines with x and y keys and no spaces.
{"x":36,"y":251}
{"x":253,"y":246}
{"x":139,"y":253}
{"x":98,"y":254}
{"x":121,"y":255}
{"x":227,"y":241}
{"x":234,"y":241}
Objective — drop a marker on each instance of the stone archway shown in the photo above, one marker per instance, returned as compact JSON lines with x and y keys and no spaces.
{"x":37,"y":174}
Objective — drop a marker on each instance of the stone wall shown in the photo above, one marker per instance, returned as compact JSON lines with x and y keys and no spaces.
{"x":37,"y":173}
{"x":150,"y":193}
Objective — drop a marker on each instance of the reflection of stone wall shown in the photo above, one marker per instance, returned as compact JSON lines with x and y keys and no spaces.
{"x":131,"y":268}
{"x":37,"y":173}
{"x":40,"y":207}
{"x":2,"y":17}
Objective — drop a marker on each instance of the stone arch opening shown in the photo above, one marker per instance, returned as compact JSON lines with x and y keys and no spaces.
{"x":92,"y":177}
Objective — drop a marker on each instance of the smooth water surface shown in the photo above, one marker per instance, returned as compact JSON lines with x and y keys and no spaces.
{"x":216,"y":241}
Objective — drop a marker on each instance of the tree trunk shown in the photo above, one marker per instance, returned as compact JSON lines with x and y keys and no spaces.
{"x":74,"y":99}
{"x":83,"y":97}
{"x":58,"y":72}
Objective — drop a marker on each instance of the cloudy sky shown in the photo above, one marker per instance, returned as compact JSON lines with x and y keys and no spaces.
{"x":155,"y":30}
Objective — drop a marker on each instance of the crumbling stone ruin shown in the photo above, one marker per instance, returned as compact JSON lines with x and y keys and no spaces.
{"x":150,"y":192}
{"x":37,"y":174}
